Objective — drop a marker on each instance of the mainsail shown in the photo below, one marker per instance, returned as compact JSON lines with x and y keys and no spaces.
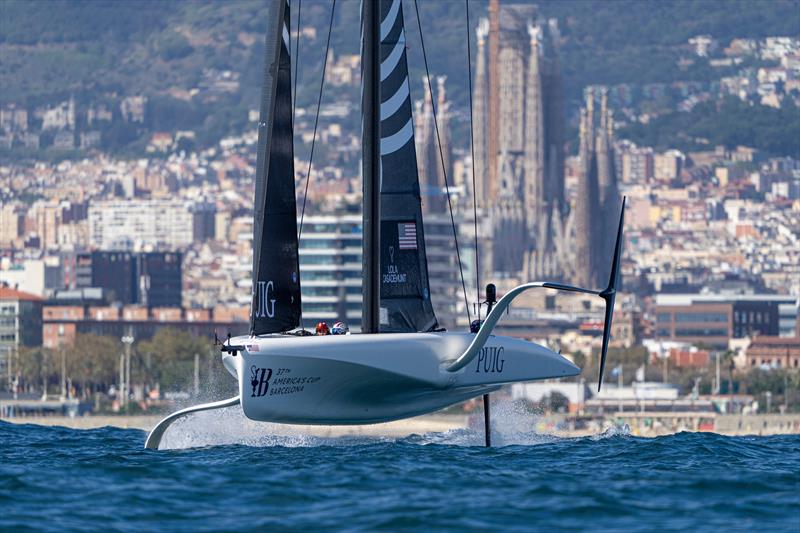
{"x":275,"y":305}
{"x":405,"y":303}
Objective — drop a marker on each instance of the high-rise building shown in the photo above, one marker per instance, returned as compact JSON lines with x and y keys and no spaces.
{"x":12,"y":224}
{"x":204,"y":221}
{"x":160,"y":279}
{"x":668,"y":165}
{"x":330,"y":269}
{"x":715,"y":319}
{"x":137,"y":224}
{"x":152,"y":279}
{"x":637,"y":164}
{"x":447,"y":294}
{"x":20,"y":325}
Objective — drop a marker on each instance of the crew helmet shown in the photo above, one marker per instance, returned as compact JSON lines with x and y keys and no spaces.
{"x":340,"y":328}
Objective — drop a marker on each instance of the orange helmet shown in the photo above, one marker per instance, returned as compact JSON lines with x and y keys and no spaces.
{"x":323,"y":329}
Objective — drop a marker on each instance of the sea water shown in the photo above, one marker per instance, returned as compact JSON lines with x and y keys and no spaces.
{"x":218,"y":474}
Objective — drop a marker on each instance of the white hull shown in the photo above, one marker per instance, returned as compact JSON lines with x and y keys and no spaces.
{"x":362,"y":379}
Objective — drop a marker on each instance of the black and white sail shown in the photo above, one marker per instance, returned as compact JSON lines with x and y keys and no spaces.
{"x":275,"y":305}
{"x":405,"y":303}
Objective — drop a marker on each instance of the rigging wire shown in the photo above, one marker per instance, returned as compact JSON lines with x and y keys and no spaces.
{"x":441,"y":157}
{"x":296,"y":59}
{"x":472,"y":148}
{"x":316,"y":123}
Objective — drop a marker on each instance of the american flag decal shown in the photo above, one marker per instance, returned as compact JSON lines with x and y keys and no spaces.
{"x":407,"y":235}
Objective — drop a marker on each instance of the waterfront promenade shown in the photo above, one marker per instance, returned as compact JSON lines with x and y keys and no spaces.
{"x":639,"y":424}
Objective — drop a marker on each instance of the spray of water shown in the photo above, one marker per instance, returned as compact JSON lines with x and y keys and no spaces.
{"x":513,"y":423}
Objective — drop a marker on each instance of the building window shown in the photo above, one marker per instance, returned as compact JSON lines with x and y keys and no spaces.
{"x":701,"y":317}
{"x":701,"y":332}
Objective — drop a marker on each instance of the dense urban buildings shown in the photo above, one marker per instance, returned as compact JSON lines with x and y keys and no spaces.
{"x":104,"y":244}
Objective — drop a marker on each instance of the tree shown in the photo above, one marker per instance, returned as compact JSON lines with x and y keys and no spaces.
{"x":173,"y":45}
{"x":33,"y":368}
{"x":170,"y":354}
{"x":728,"y":362}
{"x":558,"y":402}
{"x":93,"y":362}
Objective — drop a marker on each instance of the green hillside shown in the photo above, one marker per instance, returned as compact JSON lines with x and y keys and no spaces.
{"x":50,"y":49}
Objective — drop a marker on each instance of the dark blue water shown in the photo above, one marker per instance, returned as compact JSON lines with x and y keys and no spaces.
{"x":61,"y":479}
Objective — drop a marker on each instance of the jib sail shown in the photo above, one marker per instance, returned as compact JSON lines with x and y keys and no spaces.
{"x":275,"y":304}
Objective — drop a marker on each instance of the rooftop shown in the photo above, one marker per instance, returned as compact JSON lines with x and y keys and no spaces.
{"x":688,"y":299}
{"x":764,"y":340}
{"x":7,"y":293}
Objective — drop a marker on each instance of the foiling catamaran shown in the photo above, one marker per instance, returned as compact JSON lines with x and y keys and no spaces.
{"x":402,"y":364}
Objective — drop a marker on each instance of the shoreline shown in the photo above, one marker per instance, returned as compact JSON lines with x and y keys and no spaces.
{"x":729,"y":425}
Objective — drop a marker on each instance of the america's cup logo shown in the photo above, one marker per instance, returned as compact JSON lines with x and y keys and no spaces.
{"x":265,"y":307}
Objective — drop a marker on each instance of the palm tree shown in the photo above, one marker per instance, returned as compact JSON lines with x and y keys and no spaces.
{"x":728,"y":361}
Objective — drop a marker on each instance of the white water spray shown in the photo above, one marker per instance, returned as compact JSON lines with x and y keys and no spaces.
{"x":512,"y":424}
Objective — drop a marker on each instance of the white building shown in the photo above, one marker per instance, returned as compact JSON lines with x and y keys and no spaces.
{"x":331,"y":279}
{"x":330,"y":270}
{"x":140,"y":224}
{"x":703,"y":45}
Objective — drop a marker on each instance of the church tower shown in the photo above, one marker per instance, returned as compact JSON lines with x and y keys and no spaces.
{"x":481,"y":105}
{"x":535,"y":190}
{"x":586,"y":202}
{"x":607,"y":182}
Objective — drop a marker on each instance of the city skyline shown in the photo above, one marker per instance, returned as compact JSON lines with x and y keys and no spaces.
{"x":717,"y":219}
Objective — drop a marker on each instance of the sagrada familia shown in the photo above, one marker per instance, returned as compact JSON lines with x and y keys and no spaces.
{"x":536,"y":233}
{"x":533,"y":229}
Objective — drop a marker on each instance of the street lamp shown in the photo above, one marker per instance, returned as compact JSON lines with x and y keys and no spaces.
{"x":127,"y":340}
{"x":63,"y":362}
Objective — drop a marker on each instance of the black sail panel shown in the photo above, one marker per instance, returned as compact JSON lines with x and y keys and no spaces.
{"x":275,"y":303}
{"x":405,"y":303}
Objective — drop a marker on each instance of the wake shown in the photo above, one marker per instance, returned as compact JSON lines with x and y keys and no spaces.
{"x":512,"y":425}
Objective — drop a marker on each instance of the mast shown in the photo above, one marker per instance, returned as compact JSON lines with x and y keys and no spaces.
{"x":370,"y":164}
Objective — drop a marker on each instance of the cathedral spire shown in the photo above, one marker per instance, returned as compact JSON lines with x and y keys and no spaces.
{"x":535,"y":188}
{"x":444,"y":163}
{"x":607,"y":184}
{"x":587,"y":229}
{"x":590,"y":114}
{"x":480,"y":118}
